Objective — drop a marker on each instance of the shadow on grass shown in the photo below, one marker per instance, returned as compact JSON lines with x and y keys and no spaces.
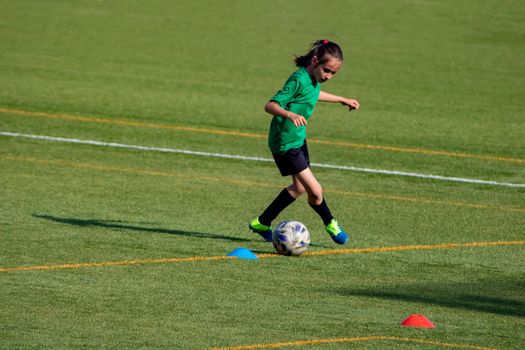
{"x":118,"y":225}
{"x":452,"y":297}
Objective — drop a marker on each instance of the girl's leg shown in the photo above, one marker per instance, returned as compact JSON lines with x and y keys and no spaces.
{"x":315,"y":194}
{"x":316,"y":200}
{"x":261,"y":224}
{"x":286,"y":197}
{"x":296,"y":189}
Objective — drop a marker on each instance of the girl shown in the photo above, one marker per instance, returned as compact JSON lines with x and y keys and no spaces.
{"x":291,"y":107}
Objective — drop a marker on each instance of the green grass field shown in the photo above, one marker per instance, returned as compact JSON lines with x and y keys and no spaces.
{"x":106,"y":247}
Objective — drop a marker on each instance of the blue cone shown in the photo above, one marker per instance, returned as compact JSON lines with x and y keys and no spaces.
{"x":242,"y":253}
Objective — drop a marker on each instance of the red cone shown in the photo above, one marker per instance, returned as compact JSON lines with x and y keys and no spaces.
{"x":418,"y":321}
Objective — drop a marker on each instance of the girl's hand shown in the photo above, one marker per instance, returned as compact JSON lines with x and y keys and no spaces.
{"x":274,"y":109}
{"x":351,"y":104}
{"x":297,"y":119}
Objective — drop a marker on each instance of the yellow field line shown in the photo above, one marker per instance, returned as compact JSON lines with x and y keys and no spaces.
{"x":252,"y":135}
{"x":415,"y":247}
{"x":262,"y":256}
{"x":424,"y":200}
{"x":418,"y":151}
{"x":377,"y":196}
{"x":127,"y":123}
{"x":352,"y":340}
{"x":113,"y":263}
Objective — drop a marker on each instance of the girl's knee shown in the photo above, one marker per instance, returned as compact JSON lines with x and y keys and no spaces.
{"x":296,"y":191}
{"x":315,"y":197}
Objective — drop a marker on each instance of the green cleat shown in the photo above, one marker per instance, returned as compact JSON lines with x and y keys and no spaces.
{"x":263,"y":230}
{"x":338,"y":235}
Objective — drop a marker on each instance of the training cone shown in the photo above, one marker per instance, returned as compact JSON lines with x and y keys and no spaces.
{"x":418,"y":321}
{"x":242,"y":253}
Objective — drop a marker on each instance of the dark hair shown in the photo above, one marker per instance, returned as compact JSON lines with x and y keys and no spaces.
{"x":323,"y":50}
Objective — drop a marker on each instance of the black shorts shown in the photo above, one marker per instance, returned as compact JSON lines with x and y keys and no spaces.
{"x":293,"y":161}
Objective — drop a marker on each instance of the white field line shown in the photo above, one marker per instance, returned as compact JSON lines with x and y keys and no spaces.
{"x":259,"y":159}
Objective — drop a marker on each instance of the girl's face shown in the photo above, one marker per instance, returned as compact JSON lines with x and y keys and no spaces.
{"x":324,"y":71}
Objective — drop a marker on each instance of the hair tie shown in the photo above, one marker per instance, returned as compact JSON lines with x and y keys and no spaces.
{"x":326,"y":42}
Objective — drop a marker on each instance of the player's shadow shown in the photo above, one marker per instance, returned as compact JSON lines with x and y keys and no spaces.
{"x":458,"y":297}
{"x":119,"y":225}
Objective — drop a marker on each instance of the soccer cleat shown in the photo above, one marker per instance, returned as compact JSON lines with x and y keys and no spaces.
{"x":338,"y":235}
{"x":263,"y":230}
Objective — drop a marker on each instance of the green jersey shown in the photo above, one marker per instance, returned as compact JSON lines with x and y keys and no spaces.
{"x":299,"y":95}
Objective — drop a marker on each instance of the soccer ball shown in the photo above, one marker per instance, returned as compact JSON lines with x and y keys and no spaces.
{"x":291,"y":238}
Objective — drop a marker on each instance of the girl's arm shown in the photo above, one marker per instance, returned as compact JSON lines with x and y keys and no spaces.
{"x":274,"y":109}
{"x":326,"y":97}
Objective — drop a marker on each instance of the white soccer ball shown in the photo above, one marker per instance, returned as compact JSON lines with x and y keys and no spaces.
{"x":291,"y":238}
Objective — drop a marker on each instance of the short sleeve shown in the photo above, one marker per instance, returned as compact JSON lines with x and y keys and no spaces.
{"x":287,"y":93}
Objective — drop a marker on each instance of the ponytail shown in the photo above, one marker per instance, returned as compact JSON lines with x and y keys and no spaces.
{"x":323,"y":50}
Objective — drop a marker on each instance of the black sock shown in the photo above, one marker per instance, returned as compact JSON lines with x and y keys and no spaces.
{"x":323,"y":211}
{"x":283,"y":200}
